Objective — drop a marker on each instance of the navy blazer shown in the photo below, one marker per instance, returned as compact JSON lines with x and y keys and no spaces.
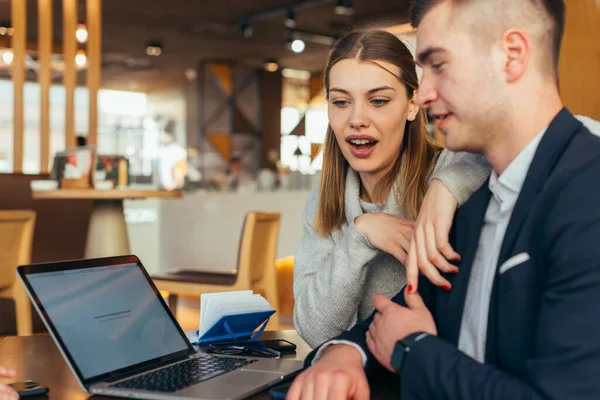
{"x":543,"y":338}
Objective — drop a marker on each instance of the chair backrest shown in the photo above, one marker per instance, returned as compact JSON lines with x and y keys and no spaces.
{"x":258,"y":246}
{"x":16,"y":239}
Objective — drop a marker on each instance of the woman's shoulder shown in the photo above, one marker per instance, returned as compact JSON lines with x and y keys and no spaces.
{"x":312,"y":204}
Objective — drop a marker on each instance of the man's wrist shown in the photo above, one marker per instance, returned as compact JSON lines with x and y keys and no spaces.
{"x":346,"y":350}
{"x":340,"y":345}
{"x":403,"y":348}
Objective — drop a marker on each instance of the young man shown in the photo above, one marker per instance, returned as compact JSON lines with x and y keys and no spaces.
{"x":521,"y":319}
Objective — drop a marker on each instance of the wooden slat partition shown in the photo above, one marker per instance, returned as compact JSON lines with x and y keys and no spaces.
{"x":45,"y":79}
{"x":18,"y":15}
{"x":94,"y":57}
{"x":70,"y":77}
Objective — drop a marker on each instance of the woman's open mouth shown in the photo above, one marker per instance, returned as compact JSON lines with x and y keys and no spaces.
{"x":362,"y":147}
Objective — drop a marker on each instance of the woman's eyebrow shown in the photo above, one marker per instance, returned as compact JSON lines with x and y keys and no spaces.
{"x":371,"y":91}
{"x":379,"y":88}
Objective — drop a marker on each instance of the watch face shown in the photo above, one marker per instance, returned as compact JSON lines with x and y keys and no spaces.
{"x":398,"y":356}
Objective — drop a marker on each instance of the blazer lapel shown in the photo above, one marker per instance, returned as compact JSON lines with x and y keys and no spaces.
{"x":557,"y":136}
{"x":468,"y":224}
{"x":552,"y":145}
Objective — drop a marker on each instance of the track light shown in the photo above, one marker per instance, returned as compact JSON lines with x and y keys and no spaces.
{"x":344,"y":7}
{"x":298,"y":46}
{"x":247,"y":30}
{"x":271,"y":65}
{"x":290,"y":19}
{"x":154,"y":48}
{"x":295,"y":44}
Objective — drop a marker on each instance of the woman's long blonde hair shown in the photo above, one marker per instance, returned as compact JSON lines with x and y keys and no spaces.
{"x":417,"y":153}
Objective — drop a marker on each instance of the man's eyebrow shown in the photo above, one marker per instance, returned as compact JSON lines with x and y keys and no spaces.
{"x":423,"y":56}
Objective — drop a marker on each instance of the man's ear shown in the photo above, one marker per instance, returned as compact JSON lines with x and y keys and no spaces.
{"x":517,"y":53}
{"x":413,"y":108}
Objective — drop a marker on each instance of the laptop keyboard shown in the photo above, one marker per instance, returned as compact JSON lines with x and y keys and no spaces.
{"x":184,"y":374}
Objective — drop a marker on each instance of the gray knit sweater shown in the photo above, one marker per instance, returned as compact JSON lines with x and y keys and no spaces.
{"x":335,"y":277}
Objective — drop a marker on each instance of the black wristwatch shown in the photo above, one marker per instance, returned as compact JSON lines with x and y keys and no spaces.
{"x":402,"y":349}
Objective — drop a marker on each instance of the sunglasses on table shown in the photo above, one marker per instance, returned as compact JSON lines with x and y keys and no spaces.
{"x":233,"y":350}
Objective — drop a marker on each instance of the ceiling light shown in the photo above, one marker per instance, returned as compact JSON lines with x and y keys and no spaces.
{"x":154,"y":48}
{"x":80,"y":58}
{"x":271,"y":65}
{"x":290,"y":20}
{"x":298,"y":46}
{"x":247,"y":30}
{"x":81,"y":34}
{"x":7,"y":57}
{"x":344,"y":7}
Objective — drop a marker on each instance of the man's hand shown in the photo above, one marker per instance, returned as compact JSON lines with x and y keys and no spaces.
{"x":7,"y":392}
{"x":387,"y":233}
{"x":394,"y":322}
{"x":429,"y":248}
{"x":337,"y":375}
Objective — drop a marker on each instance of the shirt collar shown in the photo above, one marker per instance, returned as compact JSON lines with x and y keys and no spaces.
{"x":512,"y":179}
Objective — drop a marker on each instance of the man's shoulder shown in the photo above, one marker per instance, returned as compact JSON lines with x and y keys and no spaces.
{"x":572,"y":188}
{"x":581,"y":156}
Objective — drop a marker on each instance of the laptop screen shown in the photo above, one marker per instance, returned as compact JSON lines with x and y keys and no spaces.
{"x":108,"y":317}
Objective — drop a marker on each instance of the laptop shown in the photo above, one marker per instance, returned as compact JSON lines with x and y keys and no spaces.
{"x":120,"y":339}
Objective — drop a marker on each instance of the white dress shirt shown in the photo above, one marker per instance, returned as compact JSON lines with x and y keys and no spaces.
{"x":505,"y":192}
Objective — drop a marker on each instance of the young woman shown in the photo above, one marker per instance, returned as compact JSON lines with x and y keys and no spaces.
{"x":378,"y":162}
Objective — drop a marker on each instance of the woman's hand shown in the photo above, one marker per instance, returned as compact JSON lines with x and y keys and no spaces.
{"x":429,"y":248}
{"x":387,"y":233}
{"x":7,"y":392}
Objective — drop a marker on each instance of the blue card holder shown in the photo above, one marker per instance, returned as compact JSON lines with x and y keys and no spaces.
{"x":236,"y":327}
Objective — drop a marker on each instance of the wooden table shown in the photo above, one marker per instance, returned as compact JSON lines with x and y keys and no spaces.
{"x":37,"y":358}
{"x":107,"y":232}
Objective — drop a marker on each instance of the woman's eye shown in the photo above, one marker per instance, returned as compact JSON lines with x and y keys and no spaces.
{"x":340,"y":103}
{"x":379,"y":102}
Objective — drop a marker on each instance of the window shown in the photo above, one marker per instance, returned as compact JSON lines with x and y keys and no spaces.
{"x":121,"y":125}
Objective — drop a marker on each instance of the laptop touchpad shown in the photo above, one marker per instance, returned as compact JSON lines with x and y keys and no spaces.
{"x":245,"y":377}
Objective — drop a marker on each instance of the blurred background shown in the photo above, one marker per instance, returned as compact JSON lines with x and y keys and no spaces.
{"x":220,"y":100}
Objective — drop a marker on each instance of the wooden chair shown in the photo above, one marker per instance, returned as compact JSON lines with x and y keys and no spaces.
{"x":16,"y":239}
{"x":255,"y":269}
{"x":285,"y":285}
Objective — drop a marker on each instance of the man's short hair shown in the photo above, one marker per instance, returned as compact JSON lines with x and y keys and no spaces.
{"x":552,"y":11}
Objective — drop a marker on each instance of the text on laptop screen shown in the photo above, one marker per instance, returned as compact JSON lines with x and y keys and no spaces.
{"x":107,"y":317}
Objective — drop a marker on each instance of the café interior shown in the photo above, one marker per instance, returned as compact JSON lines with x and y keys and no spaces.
{"x":186,"y":133}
